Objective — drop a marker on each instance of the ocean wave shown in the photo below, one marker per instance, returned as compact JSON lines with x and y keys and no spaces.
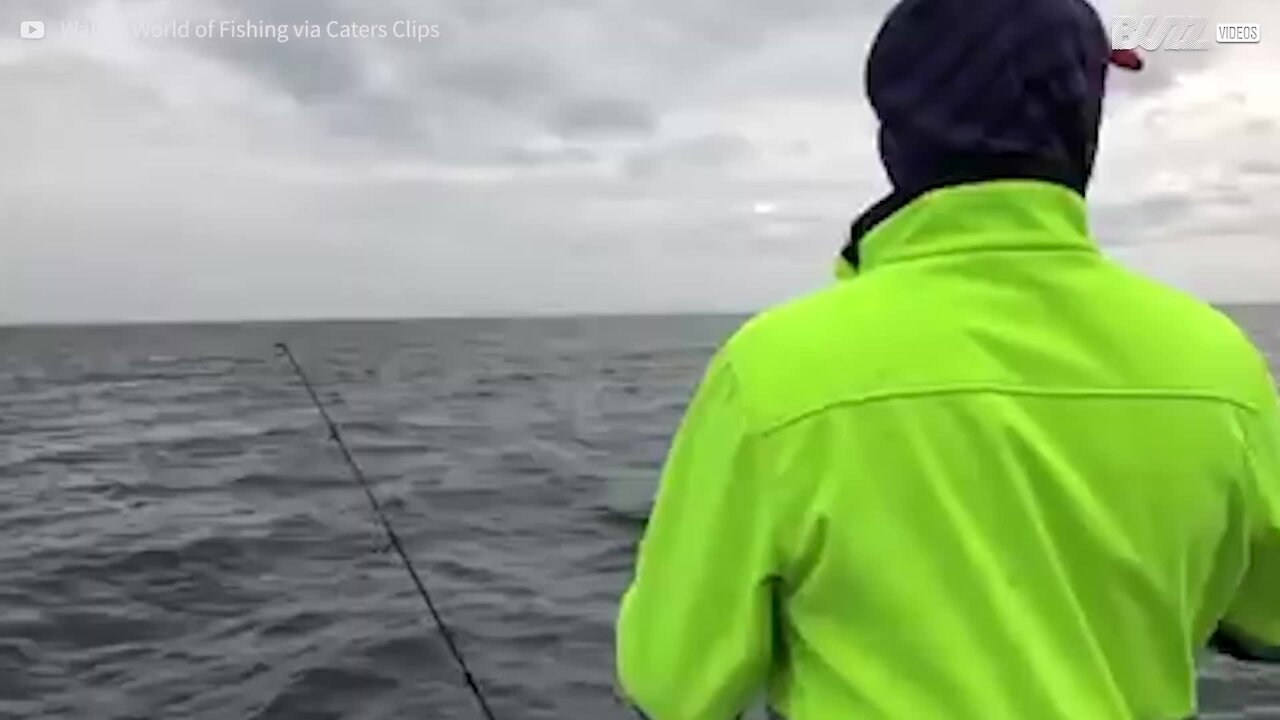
{"x":180,"y":538}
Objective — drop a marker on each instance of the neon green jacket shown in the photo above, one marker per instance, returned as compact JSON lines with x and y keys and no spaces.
{"x":993,"y":476}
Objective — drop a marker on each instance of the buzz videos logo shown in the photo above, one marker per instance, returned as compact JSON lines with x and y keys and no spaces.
{"x":31,"y":30}
{"x":1178,"y":32}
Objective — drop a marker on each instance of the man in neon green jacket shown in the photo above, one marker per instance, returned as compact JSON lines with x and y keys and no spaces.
{"x":988,"y":475}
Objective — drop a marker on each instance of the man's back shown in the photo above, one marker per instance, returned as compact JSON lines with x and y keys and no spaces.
{"x":995,"y":476}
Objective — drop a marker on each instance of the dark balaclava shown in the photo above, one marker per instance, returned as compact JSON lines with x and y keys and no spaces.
{"x":972,"y":90}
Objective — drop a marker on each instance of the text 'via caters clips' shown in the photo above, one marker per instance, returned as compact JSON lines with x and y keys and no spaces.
{"x":248,"y":30}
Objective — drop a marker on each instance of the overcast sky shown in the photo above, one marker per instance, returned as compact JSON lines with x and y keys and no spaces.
{"x":548,"y":156}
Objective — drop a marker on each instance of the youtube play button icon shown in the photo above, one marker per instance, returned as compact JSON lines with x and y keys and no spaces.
{"x":31,"y":30}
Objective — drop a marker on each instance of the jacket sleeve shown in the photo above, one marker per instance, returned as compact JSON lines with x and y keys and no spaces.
{"x":694,"y":633}
{"x":1251,"y":628}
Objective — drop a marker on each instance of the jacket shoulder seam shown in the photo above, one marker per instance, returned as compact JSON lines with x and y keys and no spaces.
{"x":1012,"y":390}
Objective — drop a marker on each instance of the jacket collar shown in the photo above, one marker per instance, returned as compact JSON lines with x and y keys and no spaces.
{"x":972,"y":217}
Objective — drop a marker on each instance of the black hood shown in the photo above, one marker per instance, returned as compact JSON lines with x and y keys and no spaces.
{"x":973,"y":90}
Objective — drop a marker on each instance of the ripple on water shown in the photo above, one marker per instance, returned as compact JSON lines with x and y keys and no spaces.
{"x":325,"y":692}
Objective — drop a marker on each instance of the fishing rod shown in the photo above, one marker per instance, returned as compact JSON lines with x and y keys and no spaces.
{"x":392,"y":538}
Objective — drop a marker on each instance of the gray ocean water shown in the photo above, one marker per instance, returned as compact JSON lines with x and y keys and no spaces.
{"x":179,"y":539}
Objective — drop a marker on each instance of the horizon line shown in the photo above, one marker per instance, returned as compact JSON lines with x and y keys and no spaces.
{"x":373,"y":319}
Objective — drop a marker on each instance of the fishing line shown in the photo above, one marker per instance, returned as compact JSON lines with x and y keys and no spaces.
{"x":392,"y":538}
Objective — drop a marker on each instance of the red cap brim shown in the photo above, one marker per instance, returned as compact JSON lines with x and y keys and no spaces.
{"x":1127,"y":59}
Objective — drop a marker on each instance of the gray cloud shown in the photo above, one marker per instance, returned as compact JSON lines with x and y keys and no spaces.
{"x":602,"y":117}
{"x":541,"y":157}
{"x":1262,"y":126}
{"x":1260,"y":167}
{"x":559,"y":155}
{"x":308,"y":72}
{"x":1143,"y":221}
{"x":503,"y":82}
{"x":706,"y":153}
